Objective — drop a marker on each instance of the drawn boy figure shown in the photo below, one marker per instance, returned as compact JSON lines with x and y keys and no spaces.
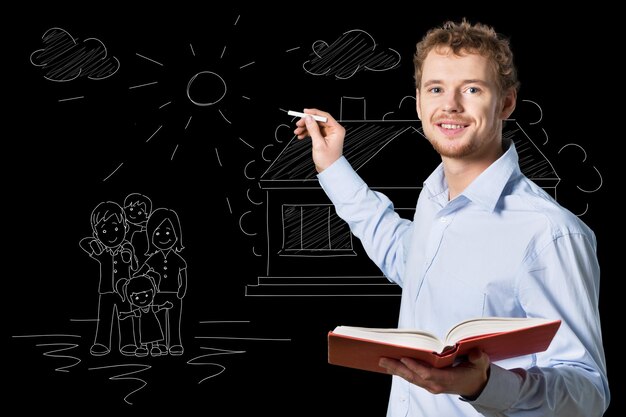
{"x":140,"y":292}
{"x":137,"y":208}
{"x":108,"y":246}
{"x":165,"y":243}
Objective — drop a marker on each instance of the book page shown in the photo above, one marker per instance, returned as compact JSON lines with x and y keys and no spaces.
{"x":485,"y":325}
{"x":412,"y":338}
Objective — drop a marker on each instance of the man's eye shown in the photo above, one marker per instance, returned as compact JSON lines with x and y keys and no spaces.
{"x":473,"y":90}
{"x":435,"y":90}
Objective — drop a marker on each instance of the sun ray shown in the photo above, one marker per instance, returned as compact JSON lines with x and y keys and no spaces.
{"x":148,"y":59}
{"x":155,"y":132}
{"x":70,"y":98}
{"x":142,"y":85}
{"x":173,"y":153}
{"x":114,"y":171}
{"x":246,"y":143}
{"x":218,"y":157}
{"x":224,"y":117}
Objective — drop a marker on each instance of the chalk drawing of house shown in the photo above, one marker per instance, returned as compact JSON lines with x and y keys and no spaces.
{"x":310,"y":250}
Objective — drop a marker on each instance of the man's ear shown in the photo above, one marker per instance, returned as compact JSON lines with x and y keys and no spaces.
{"x":417,"y":103}
{"x":509,"y":101}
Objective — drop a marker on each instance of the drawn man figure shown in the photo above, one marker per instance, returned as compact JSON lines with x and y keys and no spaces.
{"x":108,"y":246}
{"x":137,"y":208}
{"x":165,"y":243}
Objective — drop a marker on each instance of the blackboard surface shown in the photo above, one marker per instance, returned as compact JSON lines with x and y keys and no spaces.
{"x":184,"y":109}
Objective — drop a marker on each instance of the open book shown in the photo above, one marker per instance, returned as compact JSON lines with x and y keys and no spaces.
{"x":499,"y":337}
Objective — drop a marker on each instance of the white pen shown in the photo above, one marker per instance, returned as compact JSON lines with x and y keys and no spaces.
{"x":315,"y":117}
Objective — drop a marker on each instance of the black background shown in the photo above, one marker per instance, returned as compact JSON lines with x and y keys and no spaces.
{"x":58,"y":154}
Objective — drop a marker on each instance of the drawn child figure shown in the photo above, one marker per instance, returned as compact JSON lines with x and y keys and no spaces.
{"x":137,"y":208}
{"x":164,"y":245}
{"x":108,"y":246}
{"x":140,"y":292}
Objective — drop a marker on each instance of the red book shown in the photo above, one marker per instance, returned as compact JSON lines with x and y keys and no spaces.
{"x":498,"y":337}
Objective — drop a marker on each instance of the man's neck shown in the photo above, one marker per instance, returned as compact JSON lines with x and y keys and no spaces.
{"x":460,"y":172}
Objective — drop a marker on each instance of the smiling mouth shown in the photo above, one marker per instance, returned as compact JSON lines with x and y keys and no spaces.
{"x":451,"y":126}
{"x":451,"y":129}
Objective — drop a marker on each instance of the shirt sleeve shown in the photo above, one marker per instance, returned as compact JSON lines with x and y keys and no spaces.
{"x":371,"y":217}
{"x":569,"y":379}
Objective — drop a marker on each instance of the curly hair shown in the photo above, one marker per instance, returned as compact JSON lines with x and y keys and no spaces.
{"x":464,"y":37}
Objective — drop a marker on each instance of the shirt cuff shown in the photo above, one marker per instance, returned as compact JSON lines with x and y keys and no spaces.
{"x":501,"y":391}
{"x":340,"y":181}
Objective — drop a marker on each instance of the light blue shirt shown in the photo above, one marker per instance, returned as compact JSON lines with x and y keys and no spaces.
{"x":503,"y":247}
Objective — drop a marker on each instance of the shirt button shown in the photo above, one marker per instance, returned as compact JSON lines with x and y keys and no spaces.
{"x":114,"y":262}
{"x":165,"y":261}
{"x":115,"y":271}
{"x":444,"y":220}
{"x":165,"y":276}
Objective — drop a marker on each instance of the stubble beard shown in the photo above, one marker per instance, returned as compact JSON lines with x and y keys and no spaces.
{"x":453,"y":148}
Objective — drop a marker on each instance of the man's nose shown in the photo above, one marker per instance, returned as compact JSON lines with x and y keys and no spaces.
{"x":452,"y":102}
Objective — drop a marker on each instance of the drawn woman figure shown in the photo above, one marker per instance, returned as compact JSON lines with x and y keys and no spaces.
{"x":140,"y":291}
{"x":164,"y":244}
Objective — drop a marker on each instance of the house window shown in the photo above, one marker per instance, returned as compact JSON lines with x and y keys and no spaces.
{"x":314,"y":230}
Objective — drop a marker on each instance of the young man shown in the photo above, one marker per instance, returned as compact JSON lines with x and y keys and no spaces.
{"x":484,"y":241}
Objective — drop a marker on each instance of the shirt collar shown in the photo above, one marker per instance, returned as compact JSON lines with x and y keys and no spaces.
{"x":486,"y":189}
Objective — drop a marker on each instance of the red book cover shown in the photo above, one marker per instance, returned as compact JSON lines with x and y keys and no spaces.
{"x":360,"y":353}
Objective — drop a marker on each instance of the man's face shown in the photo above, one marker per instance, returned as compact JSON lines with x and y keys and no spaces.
{"x":136,"y":214}
{"x":459,"y":105}
{"x":111,"y":231}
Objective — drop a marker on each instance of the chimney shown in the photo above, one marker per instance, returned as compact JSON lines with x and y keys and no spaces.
{"x":352,"y":108}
